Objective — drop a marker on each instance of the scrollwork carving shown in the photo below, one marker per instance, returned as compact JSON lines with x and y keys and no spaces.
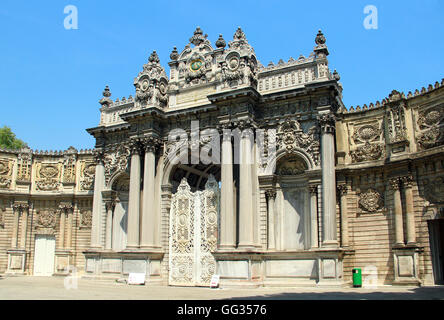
{"x":371,"y":200}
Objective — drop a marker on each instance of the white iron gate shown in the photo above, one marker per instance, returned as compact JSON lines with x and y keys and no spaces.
{"x":193,"y":234}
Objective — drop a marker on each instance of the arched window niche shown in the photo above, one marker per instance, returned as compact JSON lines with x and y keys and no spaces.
{"x":292,"y":204}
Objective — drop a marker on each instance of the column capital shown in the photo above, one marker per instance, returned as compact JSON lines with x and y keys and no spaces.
{"x":342,"y":189}
{"x":395,"y":183}
{"x":20,"y":206}
{"x":135,"y":146}
{"x":407,"y":181}
{"x":150,"y":144}
{"x":327,"y":122}
{"x":99,"y":156}
{"x":313,"y":188}
{"x":270,"y":193}
{"x":110,"y":204}
{"x":66,"y":207}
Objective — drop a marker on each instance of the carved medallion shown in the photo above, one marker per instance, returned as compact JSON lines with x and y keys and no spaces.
{"x":371,"y":200}
{"x":85,"y":218}
{"x":46,"y":218}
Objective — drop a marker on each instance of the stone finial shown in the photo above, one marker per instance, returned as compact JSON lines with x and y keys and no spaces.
{"x":198,"y":37}
{"x":320,"y":38}
{"x":174,"y":54}
{"x":321,"y":49}
{"x":106,"y":101}
{"x":239,"y":34}
{"x":336,"y":75}
{"x":107,"y":92}
{"x":220,"y":42}
{"x":154,"y":58}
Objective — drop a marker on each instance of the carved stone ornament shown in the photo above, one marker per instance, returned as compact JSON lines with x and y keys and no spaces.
{"x":2,"y":217}
{"x":367,"y":133}
{"x":434,"y":190}
{"x":46,"y":218}
{"x":116,"y":160}
{"x":367,"y":152}
{"x":396,"y":123}
{"x":290,"y":166}
{"x":5,"y":173}
{"x":48,"y":177}
{"x":370,"y":200}
{"x":69,"y":166}
{"x":87,"y":174}
{"x":85,"y":218}
{"x":152,"y":83}
{"x":291,"y":138}
{"x":431,"y":127}
{"x":327,"y":122}
{"x":24,"y":165}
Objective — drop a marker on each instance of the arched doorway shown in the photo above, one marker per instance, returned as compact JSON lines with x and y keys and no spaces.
{"x":194,"y":220}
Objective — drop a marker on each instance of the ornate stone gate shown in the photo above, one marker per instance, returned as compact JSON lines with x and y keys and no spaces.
{"x":193,"y":234}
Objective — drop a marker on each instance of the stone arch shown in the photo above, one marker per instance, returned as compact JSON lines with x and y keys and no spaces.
{"x":281,"y":154}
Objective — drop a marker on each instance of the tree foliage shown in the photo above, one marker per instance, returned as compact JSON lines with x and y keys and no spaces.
{"x":8,"y":140}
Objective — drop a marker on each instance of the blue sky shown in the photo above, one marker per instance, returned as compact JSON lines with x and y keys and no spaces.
{"x":51,"y":79}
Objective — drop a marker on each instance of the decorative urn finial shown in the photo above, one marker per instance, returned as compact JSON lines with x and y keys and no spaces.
{"x":321,"y":49}
{"x":320,"y":39}
{"x":220,"y":42}
{"x":174,"y":54}
{"x":107,"y":92}
{"x":154,"y":58}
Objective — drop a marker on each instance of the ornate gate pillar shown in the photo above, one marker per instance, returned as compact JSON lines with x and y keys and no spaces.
{"x":246,"y":218}
{"x":99,"y":183}
{"x":327,"y":123}
{"x":134,"y":198}
{"x":227,"y":212}
{"x":149,"y":220}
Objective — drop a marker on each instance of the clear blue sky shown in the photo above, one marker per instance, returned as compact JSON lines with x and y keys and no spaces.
{"x":51,"y":79}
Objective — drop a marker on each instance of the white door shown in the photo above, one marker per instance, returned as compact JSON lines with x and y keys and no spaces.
{"x":44,"y":255}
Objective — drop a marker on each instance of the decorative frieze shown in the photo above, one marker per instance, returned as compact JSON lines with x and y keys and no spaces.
{"x":367,"y":152}
{"x":367,"y":138}
{"x":116,"y":160}
{"x":46,"y":221}
{"x":87,"y":173}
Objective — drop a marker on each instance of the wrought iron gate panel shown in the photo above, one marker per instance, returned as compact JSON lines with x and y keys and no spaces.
{"x":193,"y":234}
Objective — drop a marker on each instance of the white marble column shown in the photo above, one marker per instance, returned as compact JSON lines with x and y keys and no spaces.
{"x":246,"y":219}
{"x":148,"y":223}
{"x":399,"y":230}
{"x":69,"y":214}
{"x":99,"y":184}
{"x":407,"y":182}
{"x":271,"y":196}
{"x":24,"y":230}
{"x":134,"y":199}
{"x":344,"y":215}
{"x":110,"y":204}
{"x":329,"y":237}
{"x":62,"y":229}
{"x":314,"y":215}
{"x":227,"y":214}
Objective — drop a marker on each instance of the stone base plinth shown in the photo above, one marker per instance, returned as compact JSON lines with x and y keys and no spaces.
{"x":103,"y":264}
{"x":16,"y":262}
{"x":406,"y":264}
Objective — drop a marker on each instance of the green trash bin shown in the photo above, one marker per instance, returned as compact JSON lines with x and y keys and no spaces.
{"x":357,"y":278}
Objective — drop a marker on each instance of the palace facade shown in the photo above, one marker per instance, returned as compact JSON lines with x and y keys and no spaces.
{"x":326,"y":189}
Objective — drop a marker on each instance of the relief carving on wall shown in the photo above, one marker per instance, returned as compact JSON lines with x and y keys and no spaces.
{"x":367,"y":138}
{"x":396,"y":122}
{"x":87,"y":173}
{"x":434,"y":190}
{"x":291,"y":137}
{"x":430,"y":126}
{"x":2,"y":216}
{"x":5,"y":173}
{"x":116,"y":160}
{"x":24,"y":166}
{"x":85,"y":218}
{"x":69,"y":166}
{"x":46,"y":219}
{"x":371,"y":200}
{"x":48,"y":177}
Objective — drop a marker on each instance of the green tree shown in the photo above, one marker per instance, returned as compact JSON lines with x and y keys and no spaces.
{"x":8,"y":140}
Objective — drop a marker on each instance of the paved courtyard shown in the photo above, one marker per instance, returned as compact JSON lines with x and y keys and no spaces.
{"x":35,"y":288}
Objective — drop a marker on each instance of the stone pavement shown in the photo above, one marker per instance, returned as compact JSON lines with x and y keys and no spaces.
{"x":35,"y":288}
